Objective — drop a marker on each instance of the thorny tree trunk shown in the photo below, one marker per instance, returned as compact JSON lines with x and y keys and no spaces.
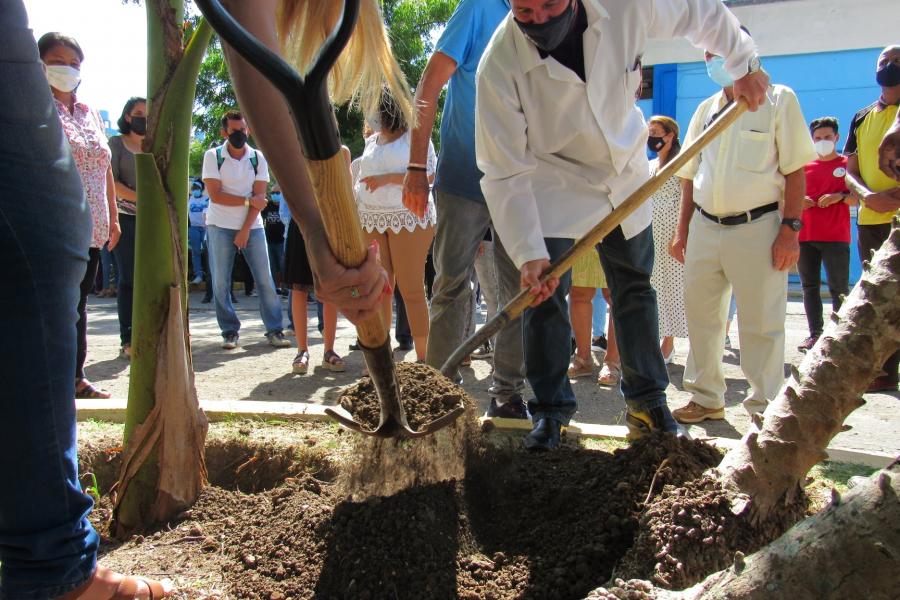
{"x":163,"y":467}
{"x":849,"y":550}
{"x":771,"y":462}
{"x":755,"y":494}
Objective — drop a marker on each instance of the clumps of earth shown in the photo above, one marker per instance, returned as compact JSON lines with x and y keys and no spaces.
{"x":452,"y":515}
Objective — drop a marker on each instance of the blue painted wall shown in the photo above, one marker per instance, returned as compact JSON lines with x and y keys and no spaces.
{"x":828,"y":83}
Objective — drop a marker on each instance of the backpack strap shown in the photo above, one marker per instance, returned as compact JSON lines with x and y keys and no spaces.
{"x":254,"y":160}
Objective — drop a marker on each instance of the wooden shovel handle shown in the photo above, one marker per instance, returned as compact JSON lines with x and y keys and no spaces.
{"x":334,"y":197}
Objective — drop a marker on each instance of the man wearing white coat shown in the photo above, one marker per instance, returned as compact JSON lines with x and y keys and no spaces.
{"x":561,"y":143}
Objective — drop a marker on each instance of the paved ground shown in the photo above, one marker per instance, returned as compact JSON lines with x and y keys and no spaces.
{"x":256,"y":371}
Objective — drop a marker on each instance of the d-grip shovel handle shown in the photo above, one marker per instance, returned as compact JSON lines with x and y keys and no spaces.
{"x":307,"y":98}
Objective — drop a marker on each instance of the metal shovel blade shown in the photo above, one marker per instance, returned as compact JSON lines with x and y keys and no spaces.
{"x":392,"y":422}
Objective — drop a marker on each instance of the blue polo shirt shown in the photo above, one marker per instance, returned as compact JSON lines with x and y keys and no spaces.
{"x":466,"y":36}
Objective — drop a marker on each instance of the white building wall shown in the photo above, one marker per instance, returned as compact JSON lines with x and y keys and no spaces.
{"x":785,"y":27}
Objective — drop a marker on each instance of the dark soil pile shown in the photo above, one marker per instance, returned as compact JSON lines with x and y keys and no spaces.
{"x":689,"y":532}
{"x":518,"y":526}
{"x":425,"y":395}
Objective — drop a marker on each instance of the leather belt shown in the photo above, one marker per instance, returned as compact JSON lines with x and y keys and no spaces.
{"x":750,"y":215}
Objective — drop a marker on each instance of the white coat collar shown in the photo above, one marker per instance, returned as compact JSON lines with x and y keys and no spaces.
{"x":529,"y":56}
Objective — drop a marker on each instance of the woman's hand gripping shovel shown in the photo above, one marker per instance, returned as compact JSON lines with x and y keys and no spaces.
{"x":523,"y":300}
{"x":307,"y":97}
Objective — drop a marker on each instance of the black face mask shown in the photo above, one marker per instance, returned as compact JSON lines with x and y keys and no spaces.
{"x":237,"y":139}
{"x":139,"y":125}
{"x":888,"y":75}
{"x":655,"y":143}
{"x":551,"y":33}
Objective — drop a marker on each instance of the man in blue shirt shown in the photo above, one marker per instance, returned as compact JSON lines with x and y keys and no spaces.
{"x":462,"y":215}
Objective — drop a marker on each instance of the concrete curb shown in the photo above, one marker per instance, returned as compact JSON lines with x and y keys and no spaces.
{"x":113,"y":411}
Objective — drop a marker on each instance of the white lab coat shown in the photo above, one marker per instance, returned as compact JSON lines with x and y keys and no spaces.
{"x":557,"y":153}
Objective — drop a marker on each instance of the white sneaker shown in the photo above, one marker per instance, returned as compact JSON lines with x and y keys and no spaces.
{"x":197,"y":280}
{"x":277,"y":340}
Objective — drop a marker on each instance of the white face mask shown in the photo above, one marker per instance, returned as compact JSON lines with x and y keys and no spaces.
{"x":63,"y":77}
{"x":824,"y":147}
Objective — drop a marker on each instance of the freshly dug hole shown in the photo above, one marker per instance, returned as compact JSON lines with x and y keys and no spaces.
{"x":518,"y":525}
{"x":381,"y":467}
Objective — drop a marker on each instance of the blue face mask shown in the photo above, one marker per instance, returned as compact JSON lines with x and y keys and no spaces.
{"x":715,"y":68}
{"x":277,"y":197}
{"x":196,"y":193}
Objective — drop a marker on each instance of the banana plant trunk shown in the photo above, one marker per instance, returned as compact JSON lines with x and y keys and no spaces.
{"x":163,"y":468}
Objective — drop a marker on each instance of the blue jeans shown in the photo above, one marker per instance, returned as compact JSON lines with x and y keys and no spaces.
{"x":47,"y":546}
{"x":461,"y":227}
{"x":220,"y":244}
{"x":196,"y":238}
{"x":107,"y":261}
{"x":598,"y":317}
{"x":124,"y":253}
{"x":547,"y":331}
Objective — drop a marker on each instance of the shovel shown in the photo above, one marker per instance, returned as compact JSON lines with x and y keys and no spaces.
{"x":517,"y":305}
{"x":307,"y":97}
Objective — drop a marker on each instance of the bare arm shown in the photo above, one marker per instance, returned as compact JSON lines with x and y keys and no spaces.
{"x":678,"y":244}
{"x":356,"y":292}
{"x":216,"y":195}
{"x":878,"y":201}
{"x":114,"y":230}
{"x":889,"y":151}
{"x":437,"y":73}
{"x":786,"y":248}
{"x":258,"y":197}
{"x":125,"y":193}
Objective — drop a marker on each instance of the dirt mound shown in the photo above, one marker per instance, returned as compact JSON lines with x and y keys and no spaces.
{"x":518,"y":525}
{"x":424,"y":393}
{"x":690,"y":531}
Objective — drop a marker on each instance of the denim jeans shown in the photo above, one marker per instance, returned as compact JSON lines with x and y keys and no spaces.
{"x":47,"y":545}
{"x":196,"y":240}
{"x":220,"y":244}
{"x":109,"y":270}
{"x":276,"y":259}
{"x":548,"y":333}
{"x":836,"y":258}
{"x":124,"y":252}
{"x":598,"y":315}
{"x":461,"y":226}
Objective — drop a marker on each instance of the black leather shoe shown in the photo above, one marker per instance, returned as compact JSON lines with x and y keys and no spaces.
{"x":404,"y":345}
{"x":513,"y":408}
{"x":642,"y":422}
{"x":544,"y":436}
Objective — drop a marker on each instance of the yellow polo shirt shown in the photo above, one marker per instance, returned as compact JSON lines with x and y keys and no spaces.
{"x":867,"y":131}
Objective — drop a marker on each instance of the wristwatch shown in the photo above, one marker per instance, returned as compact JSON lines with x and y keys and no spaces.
{"x":754,"y":65}
{"x":795,"y":224}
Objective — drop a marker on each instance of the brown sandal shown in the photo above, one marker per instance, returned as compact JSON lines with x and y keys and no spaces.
{"x":88,"y":391}
{"x":127,"y":590}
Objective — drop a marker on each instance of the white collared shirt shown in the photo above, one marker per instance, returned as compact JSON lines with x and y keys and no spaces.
{"x":744,"y":167}
{"x":558,"y":153}
{"x":237,"y":177}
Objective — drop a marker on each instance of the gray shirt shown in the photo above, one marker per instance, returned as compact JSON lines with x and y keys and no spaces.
{"x":124,"y":172}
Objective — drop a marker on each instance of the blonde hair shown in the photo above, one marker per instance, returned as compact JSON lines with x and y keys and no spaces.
{"x":366,"y":68}
{"x":667,"y":123}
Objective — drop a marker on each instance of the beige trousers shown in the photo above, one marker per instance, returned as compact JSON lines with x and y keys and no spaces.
{"x":720,"y":258}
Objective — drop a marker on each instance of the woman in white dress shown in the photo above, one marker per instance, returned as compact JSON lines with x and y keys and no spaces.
{"x":668,"y":274}
{"x":402,"y":237}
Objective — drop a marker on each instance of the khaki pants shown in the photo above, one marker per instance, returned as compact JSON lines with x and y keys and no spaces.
{"x":719,"y":258}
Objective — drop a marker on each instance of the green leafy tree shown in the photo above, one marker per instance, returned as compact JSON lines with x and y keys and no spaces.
{"x":411,"y":26}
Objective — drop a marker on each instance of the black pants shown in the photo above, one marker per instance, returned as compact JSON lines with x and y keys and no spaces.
{"x":124,"y":252}
{"x":87,"y":284}
{"x":871,"y":237}
{"x":402,"y":333}
{"x":836,"y":258}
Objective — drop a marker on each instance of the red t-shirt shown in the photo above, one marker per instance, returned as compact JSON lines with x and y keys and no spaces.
{"x":832,"y":223}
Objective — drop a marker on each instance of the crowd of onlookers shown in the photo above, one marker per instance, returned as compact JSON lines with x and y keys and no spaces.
{"x":241,"y":230}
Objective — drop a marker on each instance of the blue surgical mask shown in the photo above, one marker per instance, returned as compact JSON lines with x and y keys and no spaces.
{"x":715,"y":68}
{"x":277,"y":197}
{"x":196,"y":193}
